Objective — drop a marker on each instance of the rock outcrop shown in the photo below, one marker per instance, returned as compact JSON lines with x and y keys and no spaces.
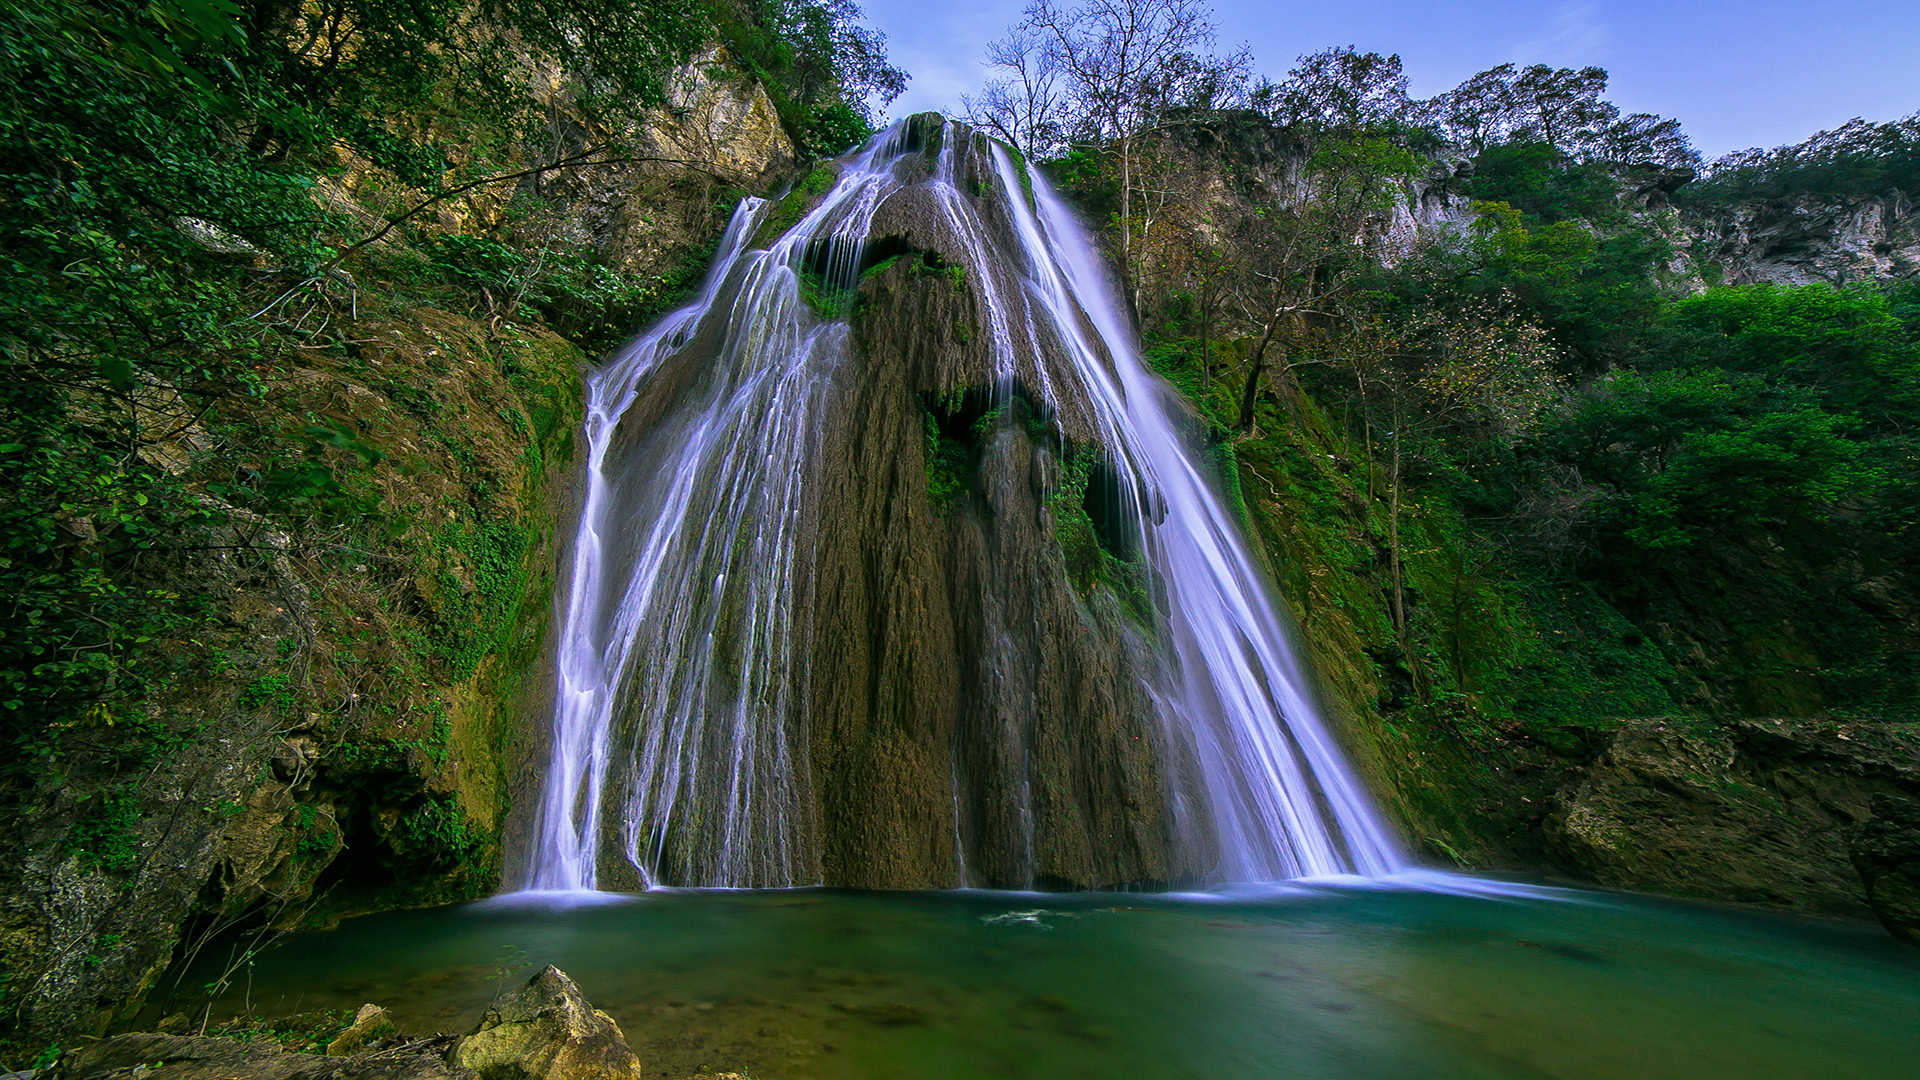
{"x":976,"y":705}
{"x":1813,"y":816}
{"x":337,"y":719}
{"x":1807,"y":239}
{"x":1886,"y":851}
{"x":546,"y":1030}
{"x":371,"y":1025}
{"x":355,"y":696}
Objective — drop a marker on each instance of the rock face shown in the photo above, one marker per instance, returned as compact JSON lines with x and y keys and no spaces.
{"x":641,"y":216}
{"x":975,"y":705}
{"x":1805,"y":239}
{"x":546,"y":1030}
{"x":1886,"y":851}
{"x":249,"y":801}
{"x":1814,"y":816}
{"x":414,"y":654}
{"x":961,"y":640}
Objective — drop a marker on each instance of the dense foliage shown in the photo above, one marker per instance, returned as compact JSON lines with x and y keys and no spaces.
{"x":1856,"y":160}
{"x":171,"y":238}
{"x":1546,"y":398}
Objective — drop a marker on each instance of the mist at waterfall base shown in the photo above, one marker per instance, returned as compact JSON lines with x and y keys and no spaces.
{"x":1307,"y":982}
{"x":681,"y":702}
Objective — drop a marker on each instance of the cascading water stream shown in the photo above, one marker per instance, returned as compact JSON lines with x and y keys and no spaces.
{"x":682,"y":700}
{"x":1275,"y":778}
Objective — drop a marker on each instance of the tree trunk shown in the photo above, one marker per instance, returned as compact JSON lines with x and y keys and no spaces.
{"x":1252,"y":391}
{"x":1366,"y":428}
{"x":1206,"y":334}
{"x":1126,"y":225}
{"x":1393,"y":539}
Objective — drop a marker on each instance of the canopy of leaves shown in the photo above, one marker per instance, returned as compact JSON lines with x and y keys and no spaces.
{"x":1560,"y":107}
{"x":164,"y":249}
{"x":1855,"y":160}
{"x":827,"y":74}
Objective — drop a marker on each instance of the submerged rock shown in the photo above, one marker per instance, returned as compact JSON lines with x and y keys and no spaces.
{"x":546,"y":1030}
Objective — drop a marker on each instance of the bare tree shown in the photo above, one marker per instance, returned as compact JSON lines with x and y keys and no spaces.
{"x":1480,"y":374}
{"x":1123,"y":64}
{"x":1026,"y":106}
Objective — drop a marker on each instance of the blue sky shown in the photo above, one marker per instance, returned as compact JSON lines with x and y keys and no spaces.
{"x":1760,"y":73}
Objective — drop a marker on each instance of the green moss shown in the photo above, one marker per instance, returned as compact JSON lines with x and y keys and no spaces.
{"x":269,"y":691}
{"x":1072,"y":527}
{"x":818,"y":182}
{"x":107,"y":837}
{"x":828,"y":300}
{"x":1019,"y":161}
{"x":793,"y":206}
{"x":439,"y":832}
{"x":948,"y":464}
{"x":480,"y":606}
{"x":1090,"y":563}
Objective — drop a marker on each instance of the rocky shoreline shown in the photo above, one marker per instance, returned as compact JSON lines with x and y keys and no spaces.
{"x":544,"y":1030}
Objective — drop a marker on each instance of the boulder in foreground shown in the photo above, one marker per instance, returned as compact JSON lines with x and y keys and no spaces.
{"x":546,"y":1030}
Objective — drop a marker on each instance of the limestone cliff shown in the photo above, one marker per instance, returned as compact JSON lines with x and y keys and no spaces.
{"x":1801,"y":239}
{"x":1787,"y":239}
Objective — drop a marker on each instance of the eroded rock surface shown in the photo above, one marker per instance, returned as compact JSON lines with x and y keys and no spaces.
{"x":546,"y":1030}
{"x":1807,"y":239}
{"x":1886,"y":851}
{"x":1765,"y":811}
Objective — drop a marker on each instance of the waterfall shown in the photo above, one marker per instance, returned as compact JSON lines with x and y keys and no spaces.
{"x":683,"y":713}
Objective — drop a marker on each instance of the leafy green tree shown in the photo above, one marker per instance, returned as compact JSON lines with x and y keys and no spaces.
{"x":1844,"y":345}
{"x":1778,"y":468}
{"x":1856,"y":160}
{"x":164,"y":252}
{"x":828,"y":75}
{"x":1560,"y":107}
{"x":1339,"y":90}
{"x":1596,"y":290}
{"x":1541,"y":182}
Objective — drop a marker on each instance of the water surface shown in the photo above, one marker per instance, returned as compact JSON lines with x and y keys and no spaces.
{"x":1309,"y":982}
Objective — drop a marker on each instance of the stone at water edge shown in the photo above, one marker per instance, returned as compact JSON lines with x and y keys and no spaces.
{"x":546,"y":1030}
{"x":370,"y":1025}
